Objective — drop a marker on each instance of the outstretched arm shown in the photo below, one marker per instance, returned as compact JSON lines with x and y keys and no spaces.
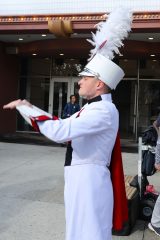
{"x":29,"y":112}
{"x":16,"y":103}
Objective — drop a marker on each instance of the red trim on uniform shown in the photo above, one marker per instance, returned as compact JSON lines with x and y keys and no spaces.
{"x":34,"y":124}
{"x":41,"y":118}
{"x":120,"y":211}
{"x":55,"y":118}
{"x":79,"y":112}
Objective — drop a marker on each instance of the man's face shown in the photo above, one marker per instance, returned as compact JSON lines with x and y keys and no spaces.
{"x":88,"y":87}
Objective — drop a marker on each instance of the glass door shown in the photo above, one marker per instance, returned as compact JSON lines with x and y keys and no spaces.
{"x":126,"y":100}
{"x":60,"y":90}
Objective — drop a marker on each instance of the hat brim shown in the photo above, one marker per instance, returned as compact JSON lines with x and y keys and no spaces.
{"x":87,"y":74}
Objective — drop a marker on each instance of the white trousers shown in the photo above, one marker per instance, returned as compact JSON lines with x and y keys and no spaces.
{"x":88,"y":202}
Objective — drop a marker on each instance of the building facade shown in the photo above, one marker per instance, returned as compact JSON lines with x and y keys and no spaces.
{"x":43,"y":47}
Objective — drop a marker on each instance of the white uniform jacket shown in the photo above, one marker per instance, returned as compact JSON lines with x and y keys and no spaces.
{"x":88,"y":189}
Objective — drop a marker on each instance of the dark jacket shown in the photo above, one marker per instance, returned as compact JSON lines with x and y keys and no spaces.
{"x":70,"y":109}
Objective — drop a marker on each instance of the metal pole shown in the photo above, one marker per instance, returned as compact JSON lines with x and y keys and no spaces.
{"x":137,"y":102}
{"x":140,"y":165}
{"x":51,"y":90}
{"x":135,"y":108}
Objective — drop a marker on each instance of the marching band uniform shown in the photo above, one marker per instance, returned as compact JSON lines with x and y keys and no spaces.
{"x":92,"y":134}
{"x":88,"y":189}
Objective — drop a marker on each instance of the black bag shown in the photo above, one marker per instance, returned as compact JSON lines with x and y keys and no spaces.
{"x":148,"y":161}
{"x":149,"y":136}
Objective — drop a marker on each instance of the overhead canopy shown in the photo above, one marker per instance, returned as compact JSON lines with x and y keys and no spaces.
{"x":30,"y":7}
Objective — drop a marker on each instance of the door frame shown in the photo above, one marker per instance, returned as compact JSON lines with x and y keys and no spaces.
{"x":70,"y":90}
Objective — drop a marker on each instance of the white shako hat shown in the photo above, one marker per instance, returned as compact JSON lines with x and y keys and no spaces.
{"x":106,"y":41}
{"x":104,"y":69}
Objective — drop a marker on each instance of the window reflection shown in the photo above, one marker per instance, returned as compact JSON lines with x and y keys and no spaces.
{"x":137,"y":97}
{"x":149,"y":69}
{"x":149,"y":102}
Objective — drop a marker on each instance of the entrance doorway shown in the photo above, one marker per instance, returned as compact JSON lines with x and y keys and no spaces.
{"x":59,"y":93}
{"x":126,"y":100}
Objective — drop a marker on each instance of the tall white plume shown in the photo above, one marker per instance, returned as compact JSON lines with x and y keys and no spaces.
{"x":110,"y":33}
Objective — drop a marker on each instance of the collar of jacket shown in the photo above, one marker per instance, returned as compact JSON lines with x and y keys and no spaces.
{"x":95,"y":99}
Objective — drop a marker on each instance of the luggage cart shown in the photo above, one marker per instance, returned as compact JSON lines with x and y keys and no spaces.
{"x":147,"y":198}
{"x":141,"y":201}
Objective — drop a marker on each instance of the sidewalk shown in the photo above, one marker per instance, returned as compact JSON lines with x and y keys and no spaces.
{"x":128,"y":145}
{"x":31,"y":192}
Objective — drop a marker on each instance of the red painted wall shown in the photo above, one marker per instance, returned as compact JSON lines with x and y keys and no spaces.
{"x":9,"y":77}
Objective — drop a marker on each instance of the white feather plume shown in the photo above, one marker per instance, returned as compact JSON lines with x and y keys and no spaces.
{"x":110,"y":33}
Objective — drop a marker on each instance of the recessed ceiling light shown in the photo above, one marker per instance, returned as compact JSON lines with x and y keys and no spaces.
{"x":152,"y":55}
{"x":34,"y":54}
{"x":20,"y":39}
{"x":154,"y":60}
{"x":44,"y":35}
{"x":61,"y":54}
{"x":150,"y":38}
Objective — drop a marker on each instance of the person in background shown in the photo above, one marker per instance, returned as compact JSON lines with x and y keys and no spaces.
{"x":154,"y":225}
{"x":71,"y":107}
